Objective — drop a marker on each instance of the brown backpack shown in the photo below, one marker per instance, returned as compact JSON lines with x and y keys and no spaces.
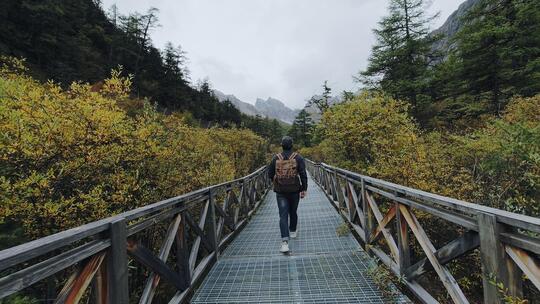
{"x":286,"y":178}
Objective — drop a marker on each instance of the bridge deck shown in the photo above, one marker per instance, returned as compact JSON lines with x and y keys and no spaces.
{"x":321,"y":268}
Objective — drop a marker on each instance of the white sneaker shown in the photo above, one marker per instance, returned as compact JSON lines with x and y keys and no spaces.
{"x":293,"y":234}
{"x":284,"y":247}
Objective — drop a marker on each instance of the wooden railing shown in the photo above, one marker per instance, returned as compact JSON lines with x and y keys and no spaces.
{"x":509,"y":243}
{"x":115,"y":256}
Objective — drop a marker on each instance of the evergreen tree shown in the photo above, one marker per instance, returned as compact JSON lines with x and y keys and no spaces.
{"x":302,"y":129}
{"x":498,"y":51}
{"x":76,"y":40}
{"x":347,"y":96}
{"x":323,"y":102}
{"x":400,"y":59}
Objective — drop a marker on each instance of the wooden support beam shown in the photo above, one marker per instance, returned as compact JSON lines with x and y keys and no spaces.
{"x":118,"y":263}
{"x":356,"y":201}
{"x":495,"y":264}
{"x":26,"y":277}
{"x":458,"y":247}
{"x":153,"y":279}
{"x":382,"y":225}
{"x":388,"y":237}
{"x":100,"y":284}
{"x":404,"y":251}
{"x":144,"y":256}
{"x":76,"y":285}
{"x":211,"y":224}
{"x":182,"y":254}
{"x":197,"y":242}
{"x":446,"y":277}
{"x":368,"y":218}
{"x":529,"y":265}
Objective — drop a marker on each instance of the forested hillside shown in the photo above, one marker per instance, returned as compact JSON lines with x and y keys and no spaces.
{"x":68,"y":41}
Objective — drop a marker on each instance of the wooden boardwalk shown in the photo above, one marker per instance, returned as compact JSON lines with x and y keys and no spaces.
{"x":117,"y":260}
{"x":322,"y":267}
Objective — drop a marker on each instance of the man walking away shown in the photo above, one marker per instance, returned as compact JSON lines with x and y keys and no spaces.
{"x":288,"y":174}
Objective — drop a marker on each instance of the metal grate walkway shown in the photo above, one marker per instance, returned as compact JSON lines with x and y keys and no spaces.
{"x":321,"y":268}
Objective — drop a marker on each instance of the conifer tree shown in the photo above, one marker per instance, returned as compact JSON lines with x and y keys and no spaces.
{"x":302,"y":129}
{"x":402,"y":54}
{"x":498,"y":51}
{"x":322,"y":102}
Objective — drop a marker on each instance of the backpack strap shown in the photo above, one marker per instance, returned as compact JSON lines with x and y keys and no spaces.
{"x":293,"y":155}
{"x":279,"y":156}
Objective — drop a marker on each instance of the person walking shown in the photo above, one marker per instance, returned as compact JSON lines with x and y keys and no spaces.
{"x":287,"y":171}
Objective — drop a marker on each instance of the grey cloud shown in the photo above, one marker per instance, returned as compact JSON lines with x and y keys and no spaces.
{"x":279,"y":48}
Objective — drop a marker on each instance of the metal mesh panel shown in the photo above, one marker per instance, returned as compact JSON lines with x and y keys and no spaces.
{"x":321,"y":268}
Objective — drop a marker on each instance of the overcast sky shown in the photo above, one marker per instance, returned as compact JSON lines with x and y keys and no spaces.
{"x":279,"y":48}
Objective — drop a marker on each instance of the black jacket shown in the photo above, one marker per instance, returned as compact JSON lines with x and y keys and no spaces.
{"x":301,"y":166}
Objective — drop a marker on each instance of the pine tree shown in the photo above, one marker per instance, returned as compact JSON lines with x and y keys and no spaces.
{"x":400,"y":59}
{"x":323,"y":102}
{"x":302,"y":129}
{"x":498,"y":51}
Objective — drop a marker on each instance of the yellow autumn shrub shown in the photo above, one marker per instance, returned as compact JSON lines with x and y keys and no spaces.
{"x":374,"y":135}
{"x":68,"y":157}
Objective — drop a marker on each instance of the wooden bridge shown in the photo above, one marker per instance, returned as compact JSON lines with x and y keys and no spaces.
{"x":220,"y":245}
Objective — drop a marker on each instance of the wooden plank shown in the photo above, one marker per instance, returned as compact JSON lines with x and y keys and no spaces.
{"x":467,"y":242}
{"x":445,"y":214}
{"x":529,"y":265}
{"x":153,"y":280}
{"x":118,"y":263}
{"x":368,"y":218}
{"x":521,"y":241}
{"x":147,"y":258}
{"x":75,"y":287}
{"x":378,"y":216}
{"x":204,"y":265}
{"x":446,"y":277}
{"x":198,"y":230}
{"x":492,"y":256}
{"x":420,"y":292}
{"x":382,"y":225}
{"x":361,"y":233}
{"x":26,"y":277}
{"x":211,"y":224}
{"x":180,"y":297}
{"x":402,"y":241}
{"x":140,"y":226}
{"x":356,"y":202}
{"x":182,"y":254}
{"x":100,"y":284}
{"x":226,"y":218}
{"x":197,"y":242}
{"x":24,"y":252}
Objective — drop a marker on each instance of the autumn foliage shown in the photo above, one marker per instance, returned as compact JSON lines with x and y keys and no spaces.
{"x":71,"y":156}
{"x":496,"y":165}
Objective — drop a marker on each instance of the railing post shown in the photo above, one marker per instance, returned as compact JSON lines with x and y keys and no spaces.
{"x":118,"y":263}
{"x":212,"y":232}
{"x":404,"y":259}
{"x":367,"y":218}
{"x":182,"y":258}
{"x":496,"y":266}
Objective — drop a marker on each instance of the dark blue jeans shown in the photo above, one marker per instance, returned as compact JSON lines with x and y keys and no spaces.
{"x":287,"y":204}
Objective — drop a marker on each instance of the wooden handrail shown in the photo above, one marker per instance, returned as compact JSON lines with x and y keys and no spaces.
{"x":509,"y":242}
{"x":102,"y":247}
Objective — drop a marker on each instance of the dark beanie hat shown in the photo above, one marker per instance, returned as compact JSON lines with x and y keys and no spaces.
{"x":287,"y":143}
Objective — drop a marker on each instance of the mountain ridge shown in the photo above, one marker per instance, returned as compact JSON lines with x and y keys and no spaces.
{"x":271,"y":107}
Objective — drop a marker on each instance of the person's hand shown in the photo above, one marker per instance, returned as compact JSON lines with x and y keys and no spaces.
{"x":302,"y":194}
